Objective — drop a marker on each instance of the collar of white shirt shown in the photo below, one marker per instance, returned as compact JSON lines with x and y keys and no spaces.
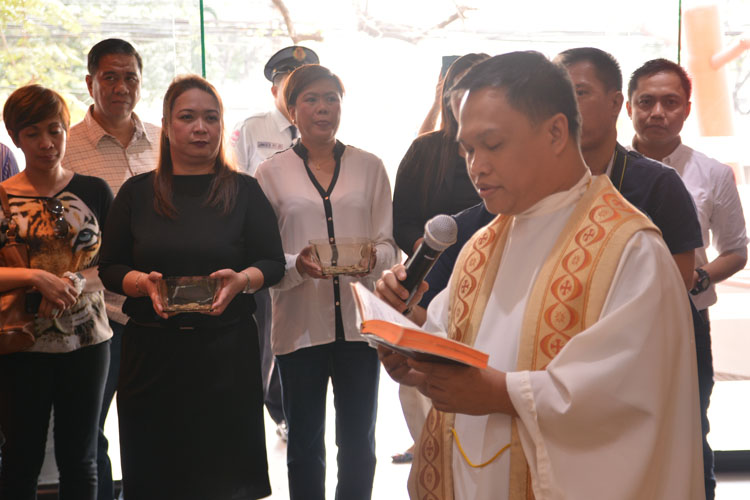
{"x":678,"y":158}
{"x":95,"y":132}
{"x":279,"y":119}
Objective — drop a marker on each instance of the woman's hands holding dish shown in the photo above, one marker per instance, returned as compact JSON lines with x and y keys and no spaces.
{"x":230,"y":284}
{"x":308,"y":264}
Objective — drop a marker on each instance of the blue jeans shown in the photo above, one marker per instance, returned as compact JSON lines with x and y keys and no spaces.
{"x":354,"y":370}
{"x":705,"y":388}
{"x":103,"y":463}
{"x":31,"y":384}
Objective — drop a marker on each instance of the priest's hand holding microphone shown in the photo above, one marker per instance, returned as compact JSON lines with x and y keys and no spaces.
{"x":403,"y":286}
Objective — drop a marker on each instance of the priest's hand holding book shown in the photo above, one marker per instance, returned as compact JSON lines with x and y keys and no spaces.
{"x":458,"y":388}
{"x":453,"y":375}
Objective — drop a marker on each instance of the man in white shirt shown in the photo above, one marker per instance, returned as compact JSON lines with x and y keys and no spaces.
{"x":264,"y":134}
{"x":111,"y":142}
{"x":591,"y":385}
{"x":254,"y":140}
{"x":659,"y":104}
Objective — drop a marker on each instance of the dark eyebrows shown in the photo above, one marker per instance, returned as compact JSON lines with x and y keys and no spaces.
{"x":480,"y":137}
{"x":191,"y":110}
{"x":311,"y":93}
{"x":115,"y":72}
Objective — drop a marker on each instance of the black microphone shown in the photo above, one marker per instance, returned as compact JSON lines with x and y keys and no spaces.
{"x":440,"y":232}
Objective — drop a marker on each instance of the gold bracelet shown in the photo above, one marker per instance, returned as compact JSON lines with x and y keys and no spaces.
{"x":138,"y":288}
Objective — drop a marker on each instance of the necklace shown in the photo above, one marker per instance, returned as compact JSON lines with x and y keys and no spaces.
{"x":319,"y":164}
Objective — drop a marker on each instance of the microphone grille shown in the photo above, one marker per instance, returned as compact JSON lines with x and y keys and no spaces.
{"x":440,"y":232}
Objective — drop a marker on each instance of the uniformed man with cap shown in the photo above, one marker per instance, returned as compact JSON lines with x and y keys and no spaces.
{"x":262,"y":135}
{"x":254,"y":140}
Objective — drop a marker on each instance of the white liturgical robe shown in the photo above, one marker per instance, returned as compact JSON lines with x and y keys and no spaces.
{"x":615,"y":415}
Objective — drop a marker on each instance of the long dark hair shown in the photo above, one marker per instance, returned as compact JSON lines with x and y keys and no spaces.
{"x":444,"y":157}
{"x":223,"y":191}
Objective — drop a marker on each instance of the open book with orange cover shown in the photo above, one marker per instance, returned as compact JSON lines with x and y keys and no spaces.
{"x":382,"y":324}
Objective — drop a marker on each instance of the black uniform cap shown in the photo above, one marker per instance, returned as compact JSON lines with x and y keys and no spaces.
{"x":288,"y":59}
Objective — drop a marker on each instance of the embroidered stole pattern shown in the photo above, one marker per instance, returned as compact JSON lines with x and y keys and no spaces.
{"x":566,"y":298}
{"x":431,"y":475}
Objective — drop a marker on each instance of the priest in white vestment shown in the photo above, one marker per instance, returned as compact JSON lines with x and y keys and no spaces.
{"x":611,"y":412}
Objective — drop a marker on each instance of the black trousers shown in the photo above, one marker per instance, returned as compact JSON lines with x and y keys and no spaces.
{"x":31,"y":385}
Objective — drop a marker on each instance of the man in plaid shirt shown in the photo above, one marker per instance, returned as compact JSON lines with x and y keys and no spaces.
{"x":111,"y":142}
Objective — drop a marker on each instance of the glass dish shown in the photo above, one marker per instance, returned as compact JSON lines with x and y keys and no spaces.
{"x":188,"y":293}
{"x":345,"y":256}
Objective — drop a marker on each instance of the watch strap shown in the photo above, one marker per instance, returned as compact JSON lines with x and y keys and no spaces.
{"x":704,"y":281}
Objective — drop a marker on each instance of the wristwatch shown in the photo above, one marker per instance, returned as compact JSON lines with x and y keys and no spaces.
{"x":76,"y":279}
{"x":704,"y":281}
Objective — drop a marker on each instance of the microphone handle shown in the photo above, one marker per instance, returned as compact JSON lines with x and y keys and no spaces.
{"x":417,"y":268}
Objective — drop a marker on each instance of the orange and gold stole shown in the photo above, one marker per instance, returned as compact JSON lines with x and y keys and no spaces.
{"x":567,"y":297}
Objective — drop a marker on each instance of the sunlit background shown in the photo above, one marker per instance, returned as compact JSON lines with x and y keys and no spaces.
{"x":388,"y":54}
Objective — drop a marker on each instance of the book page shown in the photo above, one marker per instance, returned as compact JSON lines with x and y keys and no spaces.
{"x":369,"y":306}
{"x":381,"y":324}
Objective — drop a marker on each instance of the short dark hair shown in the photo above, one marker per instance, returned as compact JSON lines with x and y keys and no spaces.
{"x":606,"y":66}
{"x":32,"y":104}
{"x":533,"y":85}
{"x":660,"y":65}
{"x":278,"y":77}
{"x":111,"y":46}
{"x":303,"y":77}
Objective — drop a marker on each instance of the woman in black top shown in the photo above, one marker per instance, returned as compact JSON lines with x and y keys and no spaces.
{"x":58,"y":216}
{"x":432,"y":177}
{"x":190,"y":397}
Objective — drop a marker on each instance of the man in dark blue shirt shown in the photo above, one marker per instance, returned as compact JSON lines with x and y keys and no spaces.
{"x":654,"y":188}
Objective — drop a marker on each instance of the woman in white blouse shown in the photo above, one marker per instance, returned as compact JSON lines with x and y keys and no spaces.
{"x":320,"y":188}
